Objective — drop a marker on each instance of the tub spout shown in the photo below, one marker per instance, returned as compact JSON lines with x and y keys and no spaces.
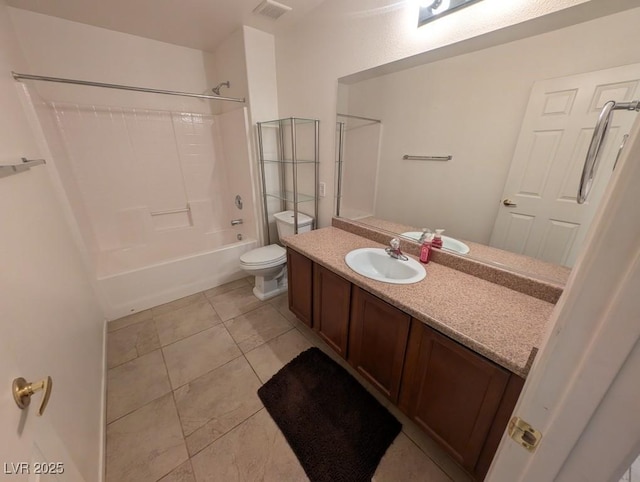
{"x":235,"y":222}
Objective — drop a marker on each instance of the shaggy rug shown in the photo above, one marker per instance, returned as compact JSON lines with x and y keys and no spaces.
{"x":338,"y":431}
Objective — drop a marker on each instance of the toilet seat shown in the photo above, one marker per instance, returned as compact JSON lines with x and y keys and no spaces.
{"x":265,"y":257}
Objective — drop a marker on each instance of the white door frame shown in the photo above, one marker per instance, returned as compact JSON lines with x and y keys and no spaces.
{"x":578,"y":381}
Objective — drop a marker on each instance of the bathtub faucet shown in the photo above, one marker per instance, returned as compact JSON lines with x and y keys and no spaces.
{"x":235,"y":222}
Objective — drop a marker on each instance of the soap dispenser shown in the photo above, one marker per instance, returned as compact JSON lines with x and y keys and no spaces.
{"x":437,"y":239}
{"x":425,"y":249}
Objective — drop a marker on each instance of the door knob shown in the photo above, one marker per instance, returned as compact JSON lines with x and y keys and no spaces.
{"x":509,"y":203}
{"x":22,"y":391}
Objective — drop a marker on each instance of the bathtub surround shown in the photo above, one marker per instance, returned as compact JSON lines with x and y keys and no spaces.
{"x":151,"y":179}
{"x":154,"y":238}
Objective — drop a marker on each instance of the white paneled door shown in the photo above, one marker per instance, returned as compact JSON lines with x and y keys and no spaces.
{"x":50,"y":320}
{"x":539,"y":215}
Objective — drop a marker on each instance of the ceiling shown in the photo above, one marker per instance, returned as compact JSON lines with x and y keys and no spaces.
{"x":199,"y":24}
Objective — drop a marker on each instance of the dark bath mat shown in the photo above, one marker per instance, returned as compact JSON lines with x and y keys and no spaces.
{"x":338,"y":431}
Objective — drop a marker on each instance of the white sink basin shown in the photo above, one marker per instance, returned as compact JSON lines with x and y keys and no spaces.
{"x":376,"y":264}
{"x":451,"y":244}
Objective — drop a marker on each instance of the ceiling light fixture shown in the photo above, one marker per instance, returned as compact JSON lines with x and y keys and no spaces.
{"x":432,"y":9}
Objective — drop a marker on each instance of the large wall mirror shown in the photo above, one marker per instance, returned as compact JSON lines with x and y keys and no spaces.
{"x":490,"y":145}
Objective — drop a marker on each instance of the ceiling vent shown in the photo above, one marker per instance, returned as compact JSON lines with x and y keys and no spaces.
{"x":271,"y":9}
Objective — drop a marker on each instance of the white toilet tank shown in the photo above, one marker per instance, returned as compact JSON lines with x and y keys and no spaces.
{"x":284,"y":223}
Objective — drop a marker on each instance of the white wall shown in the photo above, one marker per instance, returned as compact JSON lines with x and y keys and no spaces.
{"x":260,"y":52}
{"x":60,"y":48}
{"x":50,"y":321}
{"x":471,"y":106}
{"x":231,"y":66}
{"x":342,"y":38}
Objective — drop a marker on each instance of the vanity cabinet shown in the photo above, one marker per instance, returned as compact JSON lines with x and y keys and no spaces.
{"x":331,"y":303}
{"x":300,"y":282}
{"x":457,"y":396}
{"x":378,"y":336}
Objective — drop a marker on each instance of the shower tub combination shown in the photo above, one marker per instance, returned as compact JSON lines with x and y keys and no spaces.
{"x":153,"y":193}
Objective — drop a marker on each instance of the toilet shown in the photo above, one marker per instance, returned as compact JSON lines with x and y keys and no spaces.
{"x":269,"y":263}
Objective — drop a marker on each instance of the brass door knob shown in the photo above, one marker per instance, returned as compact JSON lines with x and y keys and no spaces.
{"x":22,"y":391}
{"x":509,"y":203}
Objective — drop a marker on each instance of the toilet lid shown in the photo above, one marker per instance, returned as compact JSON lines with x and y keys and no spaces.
{"x":265,"y":255}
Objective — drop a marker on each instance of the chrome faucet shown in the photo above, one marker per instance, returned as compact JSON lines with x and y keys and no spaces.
{"x":394,"y":250}
{"x":235,"y":222}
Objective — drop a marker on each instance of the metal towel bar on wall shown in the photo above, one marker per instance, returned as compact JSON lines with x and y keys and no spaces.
{"x":408,"y":157}
{"x":26,"y":164}
{"x":171,"y":211}
{"x":591,"y":162}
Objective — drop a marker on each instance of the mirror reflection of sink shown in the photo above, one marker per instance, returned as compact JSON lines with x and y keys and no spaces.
{"x":451,"y":244}
{"x":376,"y":264}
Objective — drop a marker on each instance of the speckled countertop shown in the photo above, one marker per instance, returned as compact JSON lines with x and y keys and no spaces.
{"x":503,"y":325}
{"x":526,"y":264}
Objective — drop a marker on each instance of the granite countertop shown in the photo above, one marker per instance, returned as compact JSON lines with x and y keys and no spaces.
{"x":526,"y":264}
{"x":501,"y":324}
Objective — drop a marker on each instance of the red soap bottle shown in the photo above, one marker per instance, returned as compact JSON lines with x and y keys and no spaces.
{"x":437,"y":239}
{"x":425,"y":250}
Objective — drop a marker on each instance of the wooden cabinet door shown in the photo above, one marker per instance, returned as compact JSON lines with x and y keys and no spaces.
{"x":452,"y":393}
{"x":331,"y":303}
{"x":377,"y":341}
{"x":300,"y":277}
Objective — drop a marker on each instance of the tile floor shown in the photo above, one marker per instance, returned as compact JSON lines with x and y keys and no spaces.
{"x":633,"y":473}
{"x":182,"y":402}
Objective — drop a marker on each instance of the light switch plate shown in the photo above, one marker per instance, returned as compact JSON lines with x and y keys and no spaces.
{"x":323,"y":189}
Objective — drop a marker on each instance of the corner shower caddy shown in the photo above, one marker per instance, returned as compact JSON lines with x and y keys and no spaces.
{"x":289,"y":165}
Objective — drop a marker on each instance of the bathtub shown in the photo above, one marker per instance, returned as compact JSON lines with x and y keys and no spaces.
{"x":129,"y":281}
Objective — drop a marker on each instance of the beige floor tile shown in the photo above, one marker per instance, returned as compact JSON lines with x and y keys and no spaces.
{"x":267,"y":359}
{"x":176,"y":304}
{"x":218,"y":290}
{"x":255,"y":450}
{"x":235,"y":302}
{"x":146,"y":444}
{"x":182,"y":473}
{"x":257,"y":327}
{"x":178,"y":324}
{"x":635,"y":471}
{"x":405,"y":461}
{"x":136,"y":383}
{"x":129,"y":320}
{"x":214,"y":403}
{"x":281,"y":303}
{"x":131,"y":342}
{"x":198,"y":354}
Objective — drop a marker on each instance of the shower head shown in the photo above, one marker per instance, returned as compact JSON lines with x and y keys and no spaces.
{"x":216,"y":89}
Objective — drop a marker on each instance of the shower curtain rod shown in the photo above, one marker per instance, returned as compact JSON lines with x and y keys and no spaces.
{"x":18,"y":76}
